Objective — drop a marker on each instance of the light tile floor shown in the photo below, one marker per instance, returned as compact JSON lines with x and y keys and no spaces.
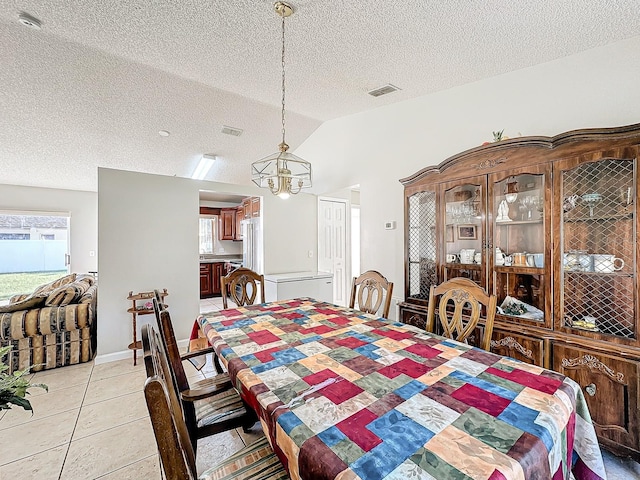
{"x":94,"y":423}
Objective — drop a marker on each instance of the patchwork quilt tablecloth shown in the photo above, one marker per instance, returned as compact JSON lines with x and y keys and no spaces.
{"x":347,"y":395}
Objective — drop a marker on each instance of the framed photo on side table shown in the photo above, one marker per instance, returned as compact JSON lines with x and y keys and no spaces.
{"x":467,"y":232}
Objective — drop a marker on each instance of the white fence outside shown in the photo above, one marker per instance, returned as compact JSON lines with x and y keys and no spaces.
{"x":19,"y":256}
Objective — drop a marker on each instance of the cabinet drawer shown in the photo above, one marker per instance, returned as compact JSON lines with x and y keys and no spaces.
{"x":521,"y":347}
{"x":610,"y":386}
{"x":413,"y":315}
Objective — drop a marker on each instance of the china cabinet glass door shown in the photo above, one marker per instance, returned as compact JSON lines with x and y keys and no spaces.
{"x":421,"y":245}
{"x":597,"y":248}
{"x":520,"y":246}
{"x":464,"y":231}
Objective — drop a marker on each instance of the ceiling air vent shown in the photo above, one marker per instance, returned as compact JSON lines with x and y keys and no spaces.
{"x":236,"y":132}
{"x":378,"y":92}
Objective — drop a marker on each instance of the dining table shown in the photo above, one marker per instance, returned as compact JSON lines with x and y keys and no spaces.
{"x":343,"y":394}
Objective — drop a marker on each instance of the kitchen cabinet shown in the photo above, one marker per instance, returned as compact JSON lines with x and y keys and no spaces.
{"x":549,"y":226}
{"x":227,"y":224}
{"x":230,"y":227}
{"x":206,"y":288}
{"x":210,"y":274}
{"x":239,"y":218}
{"x":255,"y":206}
{"x":246,"y":204}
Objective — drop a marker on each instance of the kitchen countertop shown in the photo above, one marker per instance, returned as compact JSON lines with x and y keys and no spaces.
{"x":221,"y":260}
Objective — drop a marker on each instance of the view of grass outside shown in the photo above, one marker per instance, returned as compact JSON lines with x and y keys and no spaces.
{"x":14,"y":283}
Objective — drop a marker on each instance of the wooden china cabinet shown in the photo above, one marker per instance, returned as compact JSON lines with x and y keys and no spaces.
{"x":548,"y":225}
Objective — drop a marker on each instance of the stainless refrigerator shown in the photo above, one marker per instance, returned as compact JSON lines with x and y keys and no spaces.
{"x":252,"y":244}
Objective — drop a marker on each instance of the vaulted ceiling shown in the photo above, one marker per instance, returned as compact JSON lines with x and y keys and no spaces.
{"x":99,"y":80}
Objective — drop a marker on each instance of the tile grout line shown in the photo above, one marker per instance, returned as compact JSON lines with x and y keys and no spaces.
{"x":84,"y":396}
{"x":125,"y":466}
{"x":111,"y":428}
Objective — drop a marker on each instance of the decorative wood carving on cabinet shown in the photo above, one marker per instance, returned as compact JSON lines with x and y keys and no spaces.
{"x":548,"y":225}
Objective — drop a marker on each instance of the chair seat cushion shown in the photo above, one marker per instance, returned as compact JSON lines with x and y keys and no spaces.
{"x":254,"y":462}
{"x":220,"y":407}
{"x":217,"y":381}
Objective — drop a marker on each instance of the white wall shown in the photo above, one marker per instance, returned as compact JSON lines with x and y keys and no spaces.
{"x":597,"y":88}
{"x":83,"y":207}
{"x":148,"y":238}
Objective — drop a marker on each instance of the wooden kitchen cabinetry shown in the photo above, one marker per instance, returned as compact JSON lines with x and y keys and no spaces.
{"x":227,"y":224}
{"x":230,"y":218}
{"x":239,"y":218}
{"x":255,"y":206}
{"x":210,"y":274}
{"x":246,"y":205}
{"x":549,"y":226}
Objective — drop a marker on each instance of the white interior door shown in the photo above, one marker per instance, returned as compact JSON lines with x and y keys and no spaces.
{"x":332,"y":245}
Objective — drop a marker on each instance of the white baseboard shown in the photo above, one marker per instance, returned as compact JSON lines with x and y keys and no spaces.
{"x":126,"y":354}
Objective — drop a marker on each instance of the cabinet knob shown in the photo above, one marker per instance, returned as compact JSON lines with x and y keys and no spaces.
{"x":590,"y":389}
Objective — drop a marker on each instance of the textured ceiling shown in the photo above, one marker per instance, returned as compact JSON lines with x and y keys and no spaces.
{"x":94,"y":86}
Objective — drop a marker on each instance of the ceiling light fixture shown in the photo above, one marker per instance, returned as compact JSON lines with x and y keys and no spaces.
{"x":204,"y":165}
{"x":236,"y":132}
{"x":29,"y":21}
{"x":164,"y":133}
{"x":283,"y":173}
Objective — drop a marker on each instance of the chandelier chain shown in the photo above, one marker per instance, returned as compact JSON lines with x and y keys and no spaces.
{"x":283,"y":84}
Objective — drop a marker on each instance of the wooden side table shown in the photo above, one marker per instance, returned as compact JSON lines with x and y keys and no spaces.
{"x":145,"y":307}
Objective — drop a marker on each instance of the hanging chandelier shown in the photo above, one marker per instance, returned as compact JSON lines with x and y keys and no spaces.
{"x":283,"y":173}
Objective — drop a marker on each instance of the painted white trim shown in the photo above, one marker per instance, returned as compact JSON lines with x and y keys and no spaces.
{"x":126,"y":354}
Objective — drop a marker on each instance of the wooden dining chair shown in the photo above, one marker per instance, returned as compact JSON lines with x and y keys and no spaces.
{"x":192,"y":354}
{"x":212,"y":405}
{"x":371,"y":288}
{"x":177,"y":453}
{"x":242,"y":286}
{"x":459,"y":303}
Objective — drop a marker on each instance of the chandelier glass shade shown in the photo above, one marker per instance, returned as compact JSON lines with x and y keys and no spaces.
{"x":283,"y":173}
